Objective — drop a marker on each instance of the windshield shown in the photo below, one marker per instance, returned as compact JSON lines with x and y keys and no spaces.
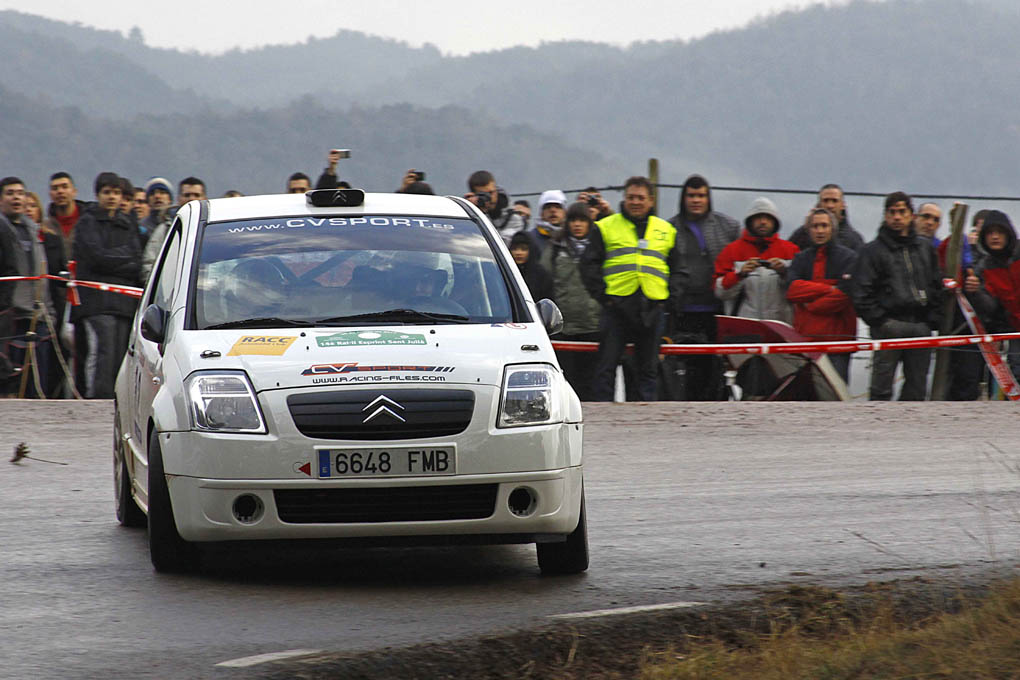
{"x":372,"y":269}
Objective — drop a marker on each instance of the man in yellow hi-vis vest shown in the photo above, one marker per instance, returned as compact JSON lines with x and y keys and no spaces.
{"x":632,"y":268}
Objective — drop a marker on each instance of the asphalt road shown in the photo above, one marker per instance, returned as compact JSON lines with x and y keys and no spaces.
{"x":686,"y":502}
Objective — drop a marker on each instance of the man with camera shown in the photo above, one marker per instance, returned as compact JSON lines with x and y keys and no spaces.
{"x":598,"y":207}
{"x":750,"y":273}
{"x":494,"y":202}
{"x":414,"y":182}
{"x":329,"y":178}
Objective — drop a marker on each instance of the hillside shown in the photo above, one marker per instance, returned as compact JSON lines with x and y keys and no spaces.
{"x":255,"y":151}
{"x":870,"y":94}
{"x":898,"y":94}
{"x":267,"y":77}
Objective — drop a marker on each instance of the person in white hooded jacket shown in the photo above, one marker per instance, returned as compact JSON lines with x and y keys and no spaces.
{"x":750,"y":273}
{"x":552,"y":216}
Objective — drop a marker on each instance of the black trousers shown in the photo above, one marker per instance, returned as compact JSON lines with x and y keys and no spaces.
{"x":105,"y":342}
{"x":703,"y":373}
{"x":617,"y":328}
{"x":579,"y":367}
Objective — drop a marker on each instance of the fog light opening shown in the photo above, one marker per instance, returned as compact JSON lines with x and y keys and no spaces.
{"x":248,"y":508}
{"x":522,"y":502}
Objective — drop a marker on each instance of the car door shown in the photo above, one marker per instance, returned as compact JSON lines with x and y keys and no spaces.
{"x":148,"y":358}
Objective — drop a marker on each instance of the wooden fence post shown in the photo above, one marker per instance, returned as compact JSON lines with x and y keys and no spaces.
{"x":653,"y":177}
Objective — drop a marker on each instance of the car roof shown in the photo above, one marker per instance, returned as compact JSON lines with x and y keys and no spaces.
{"x":278,"y":205}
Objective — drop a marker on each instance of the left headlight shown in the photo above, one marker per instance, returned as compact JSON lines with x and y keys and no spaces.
{"x":224,"y":402}
{"x":531,"y":396}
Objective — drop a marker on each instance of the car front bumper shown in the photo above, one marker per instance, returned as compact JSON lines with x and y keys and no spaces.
{"x":205,"y":509}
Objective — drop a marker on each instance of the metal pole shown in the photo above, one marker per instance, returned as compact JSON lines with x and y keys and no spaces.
{"x":954,"y":255}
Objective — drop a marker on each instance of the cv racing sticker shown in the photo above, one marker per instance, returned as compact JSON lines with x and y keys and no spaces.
{"x":261,"y":345}
{"x":364,"y":338}
{"x":353,"y":372}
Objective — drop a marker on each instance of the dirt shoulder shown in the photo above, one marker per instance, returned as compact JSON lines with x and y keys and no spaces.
{"x":614,"y":647}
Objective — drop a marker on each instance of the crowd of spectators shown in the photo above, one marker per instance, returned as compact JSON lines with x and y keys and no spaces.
{"x":619,"y":276}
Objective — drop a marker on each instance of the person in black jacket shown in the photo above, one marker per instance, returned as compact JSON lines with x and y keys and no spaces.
{"x":898,"y":292}
{"x":107,"y":248}
{"x":701,"y":234}
{"x":830,"y":197}
{"x":535,"y":275}
{"x":8,"y":267}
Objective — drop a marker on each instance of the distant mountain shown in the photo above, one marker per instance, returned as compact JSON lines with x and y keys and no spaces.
{"x":267,"y":77}
{"x":255,"y":151}
{"x":67,"y":72}
{"x":873,"y":95}
{"x":904,"y":93}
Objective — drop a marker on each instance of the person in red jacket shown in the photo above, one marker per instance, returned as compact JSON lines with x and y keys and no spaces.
{"x":818,"y":280}
{"x":750,"y":272}
{"x":1000,"y":275}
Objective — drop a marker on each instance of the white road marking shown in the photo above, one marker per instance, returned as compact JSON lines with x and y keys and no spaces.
{"x":628,"y":610}
{"x":246,"y":661}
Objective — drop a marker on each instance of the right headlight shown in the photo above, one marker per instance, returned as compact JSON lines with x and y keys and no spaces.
{"x":224,"y":402}
{"x":531,"y":396}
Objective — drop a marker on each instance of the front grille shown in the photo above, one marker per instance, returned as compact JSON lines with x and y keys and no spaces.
{"x":394,"y":504}
{"x":399,"y":414}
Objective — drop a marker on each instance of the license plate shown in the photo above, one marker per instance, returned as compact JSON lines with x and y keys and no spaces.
{"x":395,"y":462}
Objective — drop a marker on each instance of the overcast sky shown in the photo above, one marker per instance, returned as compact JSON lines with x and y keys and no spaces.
{"x":455,"y":27}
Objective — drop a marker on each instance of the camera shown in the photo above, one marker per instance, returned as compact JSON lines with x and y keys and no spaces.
{"x":765,"y":263}
{"x":593,"y":200}
{"x":482,"y":198}
{"x":419,"y":176}
{"x":343,"y":153}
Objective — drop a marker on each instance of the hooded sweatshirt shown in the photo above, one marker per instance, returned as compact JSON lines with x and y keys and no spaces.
{"x":543,"y":232}
{"x":1000,"y":272}
{"x":761,"y":294}
{"x":698,"y":243}
{"x":535,"y":276}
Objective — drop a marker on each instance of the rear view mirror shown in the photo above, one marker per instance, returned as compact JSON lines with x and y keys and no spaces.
{"x":154,"y":324}
{"x":552,"y":318}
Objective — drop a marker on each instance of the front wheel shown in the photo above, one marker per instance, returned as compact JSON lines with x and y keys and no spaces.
{"x":128,"y":512}
{"x":167,"y":550}
{"x":569,"y":556}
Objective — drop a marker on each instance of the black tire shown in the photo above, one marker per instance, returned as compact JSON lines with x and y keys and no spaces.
{"x":128,"y":512}
{"x":168,"y":551}
{"x":569,"y":556}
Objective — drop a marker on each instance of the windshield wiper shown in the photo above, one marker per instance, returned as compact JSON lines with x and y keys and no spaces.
{"x":397,"y":315}
{"x":260,"y":322}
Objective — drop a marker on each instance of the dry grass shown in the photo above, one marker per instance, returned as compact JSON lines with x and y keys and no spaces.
{"x":817,"y":638}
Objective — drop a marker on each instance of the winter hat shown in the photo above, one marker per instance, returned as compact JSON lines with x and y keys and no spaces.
{"x":158,"y":183}
{"x":552,"y":196}
{"x":763,"y":206}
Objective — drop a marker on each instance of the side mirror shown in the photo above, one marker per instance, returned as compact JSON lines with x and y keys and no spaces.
{"x":154,"y":324}
{"x":552,"y":319}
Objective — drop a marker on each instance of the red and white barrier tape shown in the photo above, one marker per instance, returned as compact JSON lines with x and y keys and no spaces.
{"x":997,"y":367}
{"x":98,"y":285}
{"x":837,"y":347}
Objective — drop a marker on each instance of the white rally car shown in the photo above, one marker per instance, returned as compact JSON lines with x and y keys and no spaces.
{"x":345,"y":365}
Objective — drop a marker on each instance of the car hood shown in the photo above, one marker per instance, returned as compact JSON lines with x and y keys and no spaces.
{"x":413,"y":355}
